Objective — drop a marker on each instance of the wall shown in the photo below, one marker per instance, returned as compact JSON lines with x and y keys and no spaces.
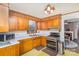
{"x":47,"y":32}
{"x":67,"y":17}
{"x":20,"y":34}
{"x":76,"y":30}
{"x":70,"y":16}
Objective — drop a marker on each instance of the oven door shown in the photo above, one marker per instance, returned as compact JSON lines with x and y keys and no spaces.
{"x":2,"y":38}
{"x":10,"y":36}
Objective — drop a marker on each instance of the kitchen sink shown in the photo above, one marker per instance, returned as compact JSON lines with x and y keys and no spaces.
{"x":34,"y":35}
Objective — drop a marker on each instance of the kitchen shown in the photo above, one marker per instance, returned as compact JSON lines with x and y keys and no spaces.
{"x":20,"y":33}
{"x":27,"y":32}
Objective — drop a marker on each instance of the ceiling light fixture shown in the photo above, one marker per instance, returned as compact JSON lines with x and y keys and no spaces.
{"x":49,"y":9}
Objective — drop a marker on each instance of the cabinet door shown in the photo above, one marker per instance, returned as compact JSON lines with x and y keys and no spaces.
{"x":26,"y":23}
{"x":28,"y":45}
{"x":17,"y":46}
{"x":22,"y":23}
{"x":50,"y":24}
{"x":13,"y":23}
{"x":2,"y":52}
{"x":36,"y":42}
{"x":21,"y":50}
{"x":4,"y":19}
{"x":39,"y":25}
{"x":25,"y":45}
{"x":43,"y":41}
{"x":18,"y":21}
{"x":10,"y":50}
{"x":44,"y":25}
{"x":56,"y":23}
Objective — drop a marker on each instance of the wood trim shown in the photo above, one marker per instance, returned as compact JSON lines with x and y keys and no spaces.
{"x":70,"y":13}
{"x":50,"y":17}
{"x":30,"y":17}
{"x":42,"y":19}
{"x":36,"y":18}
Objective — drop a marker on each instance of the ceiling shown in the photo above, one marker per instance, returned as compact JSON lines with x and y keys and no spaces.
{"x":37,"y":9}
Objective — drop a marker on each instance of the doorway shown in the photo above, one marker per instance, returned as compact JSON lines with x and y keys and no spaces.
{"x":71,"y":27}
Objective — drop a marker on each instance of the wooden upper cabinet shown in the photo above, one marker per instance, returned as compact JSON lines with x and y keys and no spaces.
{"x":50,"y":24}
{"x":44,"y":25}
{"x":13,"y":23}
{"x":56,"y":23}
{"x":22,"y":22}
{"x":18,"y":21}
{"x":4,"y":19}
{"x":53,"y":22}
{"x":39,"y":25}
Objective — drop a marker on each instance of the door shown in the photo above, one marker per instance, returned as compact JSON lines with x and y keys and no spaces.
{"x":50,"y":24}
{"x":36,"y":42}
{"x":56,"y":23}
{"x":44,"y":25}
{"x":43,"y":41}
{"x":25,"y":45}
{"x":39,"y":25}
{"x":13,"y":23}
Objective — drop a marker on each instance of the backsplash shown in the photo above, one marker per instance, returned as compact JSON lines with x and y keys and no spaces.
{"x":20,"y":34}
{"x":46,"y":32}
{"x":40,"y":32}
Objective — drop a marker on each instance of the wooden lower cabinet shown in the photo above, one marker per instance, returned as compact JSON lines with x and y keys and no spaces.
{"x":36,"y":42}
{"x":25,"y":45}
{"x":10,"y":50}
{"x":43,"y":41}
{"x":30,"y":43}
{"x":40,"y":41}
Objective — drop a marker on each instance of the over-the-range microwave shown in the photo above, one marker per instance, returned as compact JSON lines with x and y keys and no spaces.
{"x":6,"y":36}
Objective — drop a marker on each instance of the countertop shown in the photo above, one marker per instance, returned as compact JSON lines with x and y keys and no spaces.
{"x":16,"y":40}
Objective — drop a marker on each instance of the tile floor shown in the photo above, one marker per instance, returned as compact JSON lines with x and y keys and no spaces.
{"x":41,"y":51}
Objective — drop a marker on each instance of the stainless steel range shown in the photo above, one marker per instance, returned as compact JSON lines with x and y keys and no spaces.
{"x":52,"y":41}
